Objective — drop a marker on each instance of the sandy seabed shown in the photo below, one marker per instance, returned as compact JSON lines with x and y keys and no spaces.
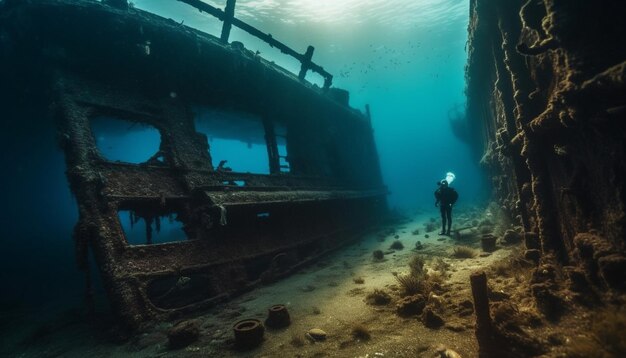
{"x":329,"y":295}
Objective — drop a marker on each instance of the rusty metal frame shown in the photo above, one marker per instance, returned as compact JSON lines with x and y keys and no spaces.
{"x":332,"y":194}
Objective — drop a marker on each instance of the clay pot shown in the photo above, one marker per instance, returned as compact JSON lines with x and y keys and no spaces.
{"x":488,"y":243}
{"x":278,"y":317}
{"x":248,"y":333}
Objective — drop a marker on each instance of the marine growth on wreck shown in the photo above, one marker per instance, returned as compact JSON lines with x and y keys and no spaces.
{"x":222,"y":178}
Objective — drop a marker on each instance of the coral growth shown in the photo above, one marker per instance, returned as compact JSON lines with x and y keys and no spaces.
{"x":411,"y":305}
{"x":436,"y":279}
{"x":609,"y":330}
{"x":397,"y":245}
{"x":378,"y":298}
{"x":513,"y":266}
{"x":378,"y":255}
{"x":512,"y":237}
{"x":431,"y":319}
{"x":416,"y":264}
{"x":361,"y":332}
{"x":464,"y":252}
{"x":440,"y":265}
{"x":411,"y":284}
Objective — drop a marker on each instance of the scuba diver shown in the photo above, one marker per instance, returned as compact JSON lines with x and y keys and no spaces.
{"x":446,"y":197}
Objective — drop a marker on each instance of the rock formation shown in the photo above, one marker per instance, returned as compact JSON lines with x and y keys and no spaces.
{"x":546,"y":91}
{"x":546,"y":112}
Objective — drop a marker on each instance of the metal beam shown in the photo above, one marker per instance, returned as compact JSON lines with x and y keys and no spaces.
{"x":229,"y":15}
{"x":226,"y":17}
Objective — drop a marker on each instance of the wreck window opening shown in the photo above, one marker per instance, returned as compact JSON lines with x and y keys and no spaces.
{"x":119,"y":140}
{"x":234,"y":182}
{"x":283,"y":159}
{"x":281,"y":142}
{"x":236,"y":140}
{"x":240,"y":157}
{"x":140,"y":230}
{"x":315,"y":78}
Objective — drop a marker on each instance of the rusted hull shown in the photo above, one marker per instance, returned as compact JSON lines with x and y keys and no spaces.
{"x":241,"y":229}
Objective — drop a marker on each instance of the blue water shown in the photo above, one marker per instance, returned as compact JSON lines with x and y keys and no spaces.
{"x":123,"y":141}
{"x":169,"y":229}
{"x":405,"y":58}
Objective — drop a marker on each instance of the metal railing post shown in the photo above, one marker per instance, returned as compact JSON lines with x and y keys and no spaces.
{"x":229,"y":15}
{"x":306,"y":62}
{"x":328,"y":81}
{"x":272,"y":146}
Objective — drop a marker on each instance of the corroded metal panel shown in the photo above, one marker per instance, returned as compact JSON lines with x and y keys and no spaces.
{"x":241,"y":229}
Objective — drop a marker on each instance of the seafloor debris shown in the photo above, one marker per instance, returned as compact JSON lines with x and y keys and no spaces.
{"x":431,"y":319}
{"x":316,"y":335}
{"x":378,"y":297}
{"x":278,"y":317}
{"x":183,"y":333}
{"x":397,"y":245}
{"x":361,"y":332}
{"x":464,"y":252}
{"x":248,"y":333}
{"x":446,"y":352}
{"x":410,"y":305}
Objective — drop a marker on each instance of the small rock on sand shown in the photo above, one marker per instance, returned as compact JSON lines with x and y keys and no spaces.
{"x":432,"y":319}
{"x":184,"y":333}
{"x":446,"y":352}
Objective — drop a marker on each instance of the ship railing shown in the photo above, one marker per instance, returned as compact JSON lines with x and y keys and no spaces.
{"x":227,"y":16}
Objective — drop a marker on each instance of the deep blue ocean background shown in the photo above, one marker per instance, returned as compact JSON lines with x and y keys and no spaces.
{"x":405,"y":58}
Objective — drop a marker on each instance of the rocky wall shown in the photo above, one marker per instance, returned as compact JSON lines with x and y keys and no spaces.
{"x":547,"y":107}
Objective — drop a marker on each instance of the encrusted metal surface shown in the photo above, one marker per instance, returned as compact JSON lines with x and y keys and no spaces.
{"x":241,"y":229}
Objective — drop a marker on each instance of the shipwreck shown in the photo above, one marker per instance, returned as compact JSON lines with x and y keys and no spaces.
{"x":93,"y":60}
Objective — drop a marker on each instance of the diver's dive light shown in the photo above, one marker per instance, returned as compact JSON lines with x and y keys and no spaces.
{"x":450,"y":177}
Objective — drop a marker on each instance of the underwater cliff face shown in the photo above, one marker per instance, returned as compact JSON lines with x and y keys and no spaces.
{"x":546,"y":83}
{"x":546,"y":88}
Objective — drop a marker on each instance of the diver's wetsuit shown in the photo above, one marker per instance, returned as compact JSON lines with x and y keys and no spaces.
{"x":446,"y":197}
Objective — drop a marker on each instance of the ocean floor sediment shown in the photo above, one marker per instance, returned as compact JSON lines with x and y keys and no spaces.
{"x":337,"y":295}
